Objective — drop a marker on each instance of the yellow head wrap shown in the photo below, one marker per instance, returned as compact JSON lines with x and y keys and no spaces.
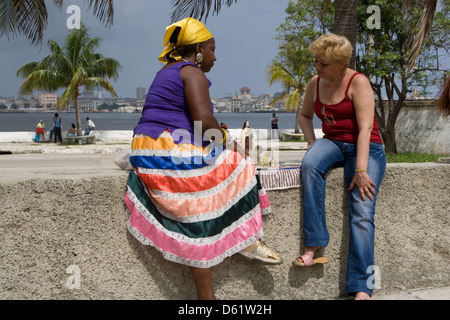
{"x":192,"y":31}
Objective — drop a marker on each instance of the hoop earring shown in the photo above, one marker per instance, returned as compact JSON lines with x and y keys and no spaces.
{"x":199,"y":59}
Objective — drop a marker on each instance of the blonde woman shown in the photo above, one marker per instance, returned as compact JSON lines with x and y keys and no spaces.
{"x":343,"y":100}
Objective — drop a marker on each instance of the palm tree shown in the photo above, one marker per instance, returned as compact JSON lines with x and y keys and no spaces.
{"x":72,"y":66}
{"x":292,"y":69}
{"x":29,"y":17}
{"x":292,"y":99}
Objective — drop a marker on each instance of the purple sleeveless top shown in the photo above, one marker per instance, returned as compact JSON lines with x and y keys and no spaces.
{"x":165,"y":107}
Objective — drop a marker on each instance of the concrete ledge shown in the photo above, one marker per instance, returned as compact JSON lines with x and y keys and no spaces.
{"x":51,"y":227}
{"x":113,"y":136}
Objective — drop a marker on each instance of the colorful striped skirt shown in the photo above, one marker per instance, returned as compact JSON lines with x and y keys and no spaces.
{"x":196,"y":205}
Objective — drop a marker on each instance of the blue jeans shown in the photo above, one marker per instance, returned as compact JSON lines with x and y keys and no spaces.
{"x":324,"y":155}
{"x":88,"y":131}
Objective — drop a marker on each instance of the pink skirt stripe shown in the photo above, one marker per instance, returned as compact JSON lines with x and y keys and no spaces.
{"x":199,"y":255}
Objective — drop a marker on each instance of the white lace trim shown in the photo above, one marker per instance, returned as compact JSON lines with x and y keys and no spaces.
{"x":183,"y":238}
{"x":212,"y":214}
{"x":196,"y":263}
{"x":168,"y":153}
{"x":163,"y":134}
{"x":266,"y":211}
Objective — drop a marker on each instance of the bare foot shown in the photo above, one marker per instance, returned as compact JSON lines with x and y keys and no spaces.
{"x":308,"y":256}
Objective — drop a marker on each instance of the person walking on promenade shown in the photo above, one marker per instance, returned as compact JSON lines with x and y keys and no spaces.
{"x":343,"y":100}
{"x":57,"y":124}
{"x":194,"y":201}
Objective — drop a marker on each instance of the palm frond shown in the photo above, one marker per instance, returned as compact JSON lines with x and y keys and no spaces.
{"x":197,"y":9}
{"x":293,"y":100}
{"x":280,"y":97}
{"x":421,"y":30}
{"x":104,"y":10}
{"x":28,"y":17}
{"x":27,"y":69}
{"x":8,"y":18}
{"x":98,"y":82}
{"x":45,"y":80}
{"x":105,"y":67}
{"x":68,"y":95}
{"x":279,"y":73}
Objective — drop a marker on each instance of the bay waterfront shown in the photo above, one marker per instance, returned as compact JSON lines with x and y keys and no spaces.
{"x":27,"y":121}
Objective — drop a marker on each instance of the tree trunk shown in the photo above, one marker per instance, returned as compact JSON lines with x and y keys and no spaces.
{"x":345,"y":23}
{"x":77,"y":114}
{"x":297,"y":115}
{"x":388,"y":135}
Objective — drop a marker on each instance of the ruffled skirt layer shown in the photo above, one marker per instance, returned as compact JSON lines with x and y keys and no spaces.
{"x":196,"y":205}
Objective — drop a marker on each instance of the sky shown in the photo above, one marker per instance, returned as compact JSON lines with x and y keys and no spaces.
{"x":244,"y":34}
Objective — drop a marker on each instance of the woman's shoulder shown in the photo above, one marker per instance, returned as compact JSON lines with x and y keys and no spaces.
{"x":190,"y":72}
{"x":358,"y":79}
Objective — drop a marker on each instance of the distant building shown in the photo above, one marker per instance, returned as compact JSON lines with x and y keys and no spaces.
{"x":244,"y":93}
{"x":48,"y":100}
{"x":93,"y":94}
{"x":244,"y":101}
{"x":141,"y":93}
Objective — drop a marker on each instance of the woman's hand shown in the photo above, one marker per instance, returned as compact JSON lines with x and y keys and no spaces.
{"x":310,"y":144}
{"x":364,"y":184}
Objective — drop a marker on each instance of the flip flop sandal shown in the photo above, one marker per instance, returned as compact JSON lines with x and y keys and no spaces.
{"x":261,"y":253}
{"x":319,"y":260}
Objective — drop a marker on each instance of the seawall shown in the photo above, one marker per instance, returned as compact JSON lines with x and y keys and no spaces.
{"x":57,"y":230}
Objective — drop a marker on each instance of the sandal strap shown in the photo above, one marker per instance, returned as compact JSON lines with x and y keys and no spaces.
{"x":263,"y":250}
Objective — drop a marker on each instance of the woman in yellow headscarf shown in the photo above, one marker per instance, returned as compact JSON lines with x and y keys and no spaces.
{"x":193,"y":194}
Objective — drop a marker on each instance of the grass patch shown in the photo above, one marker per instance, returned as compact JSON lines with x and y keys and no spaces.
{"x":413,"y":157}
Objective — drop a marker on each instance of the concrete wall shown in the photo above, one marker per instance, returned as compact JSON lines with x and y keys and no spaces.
{"x":421,"y":128}
{"x":50,"y":225}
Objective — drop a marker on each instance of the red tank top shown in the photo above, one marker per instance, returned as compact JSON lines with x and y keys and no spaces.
{"x":339,"y":119}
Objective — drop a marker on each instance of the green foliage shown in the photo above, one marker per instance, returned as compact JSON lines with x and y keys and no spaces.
{"x":384,"y":52}
{"x":293,"y":66}
{"x":412,"y":157}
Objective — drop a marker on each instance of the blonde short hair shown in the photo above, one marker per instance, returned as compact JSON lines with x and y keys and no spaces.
{"x":332,"y":47}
